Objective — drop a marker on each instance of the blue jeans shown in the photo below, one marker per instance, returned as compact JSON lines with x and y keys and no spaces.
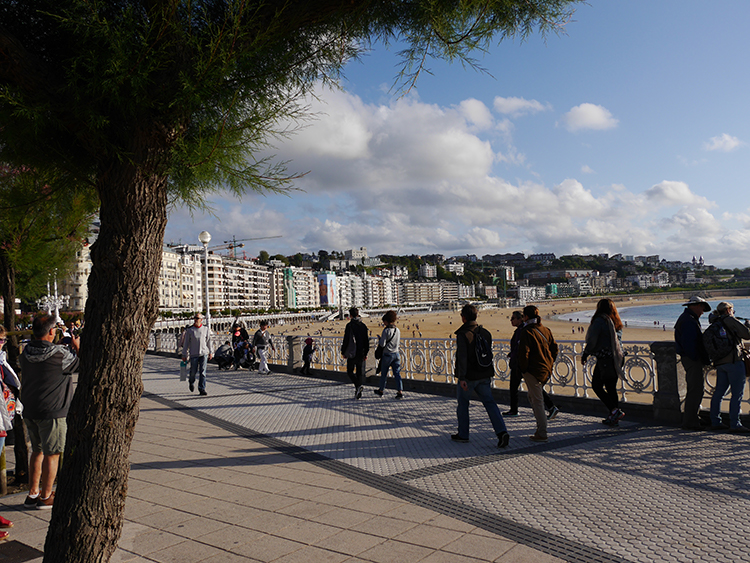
{"x":484,"y":392}
{"x":198,"y":364}
{"x":391,"y":361}
{"x":728,"y":375}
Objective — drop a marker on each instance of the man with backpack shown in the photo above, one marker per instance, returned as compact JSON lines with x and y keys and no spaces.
{"x":474,"y":371}
{"x":723,"y":341}
{"x":689,"y":340}
{"x":354,"y":348}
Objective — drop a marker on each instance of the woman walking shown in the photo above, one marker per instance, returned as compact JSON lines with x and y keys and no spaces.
{"x":389,"y":340}
{"x":604,"y":342}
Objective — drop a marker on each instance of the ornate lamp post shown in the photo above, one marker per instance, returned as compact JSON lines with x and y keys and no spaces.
{"x":205,"y":238}
{"x":53,"y":302}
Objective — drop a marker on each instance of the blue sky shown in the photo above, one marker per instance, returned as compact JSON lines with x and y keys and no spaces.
{"x":629,"y":134}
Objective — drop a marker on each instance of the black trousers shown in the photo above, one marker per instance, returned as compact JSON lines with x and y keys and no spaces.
{"x":604,"y":382}
{"x":355,"y":369}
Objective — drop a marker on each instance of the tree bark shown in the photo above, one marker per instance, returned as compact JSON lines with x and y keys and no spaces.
{"x":122,"y":306}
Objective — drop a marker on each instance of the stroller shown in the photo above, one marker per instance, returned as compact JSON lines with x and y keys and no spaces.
{"x":224,"y":359}
{"x":244,"y":356}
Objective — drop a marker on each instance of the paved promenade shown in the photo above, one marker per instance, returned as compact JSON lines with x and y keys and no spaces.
{"x":291,"y":469}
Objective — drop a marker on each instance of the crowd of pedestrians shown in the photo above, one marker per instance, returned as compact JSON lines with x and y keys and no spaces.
{"x":50,"y":358}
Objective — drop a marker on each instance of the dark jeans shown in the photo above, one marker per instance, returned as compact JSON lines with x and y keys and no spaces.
{"x":355,"y":369}
{"x":604,"y":382}
{"x":484,"y":391}
{"x":515,"y":381}
{"x":694,"y":396}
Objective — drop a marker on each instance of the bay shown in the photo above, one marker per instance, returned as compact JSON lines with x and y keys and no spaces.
{"x":645,"y":316}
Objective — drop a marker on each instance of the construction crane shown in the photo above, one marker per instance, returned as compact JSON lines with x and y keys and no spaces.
{"x":232,"y":244}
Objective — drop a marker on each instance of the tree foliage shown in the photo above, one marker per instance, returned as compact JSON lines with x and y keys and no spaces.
{"x":43,"y":222}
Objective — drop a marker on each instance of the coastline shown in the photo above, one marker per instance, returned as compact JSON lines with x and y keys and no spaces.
{"x":442,"y":324}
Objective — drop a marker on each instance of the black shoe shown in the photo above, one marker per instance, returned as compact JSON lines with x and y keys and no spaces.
{"x":457,"y":438}
{"x":358,"y":393}
{"x":203,"y":393}
{"x":399,"y":395}
{"x":510,"y":413}
{"x":503,"y":440}
{"x":719,"y":427}
{"x":554,"y":411}
{"x":191,"y":387}
{"x":740,"y":430}
{"x":610,"y":422}
{"x":378,"y":392}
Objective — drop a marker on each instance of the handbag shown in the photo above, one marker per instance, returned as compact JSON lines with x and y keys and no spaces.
{"x":379,"y":349}
{"x":745,"y":357}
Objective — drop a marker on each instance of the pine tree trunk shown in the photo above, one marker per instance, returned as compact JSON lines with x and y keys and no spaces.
{"x":122,"y":306}
{"x":8,"y":287}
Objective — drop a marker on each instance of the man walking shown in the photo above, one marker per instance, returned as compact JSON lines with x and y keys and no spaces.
{"x":354,"y":348}
{"x":693,"y":355}
{"x":198,"y":346}
{"x":537,"y":351}
{"x":261,"y":342}
{"x":474,"y":377}
{"x":47,"y":393}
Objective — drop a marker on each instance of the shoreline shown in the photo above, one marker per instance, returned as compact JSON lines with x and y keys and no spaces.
{"x":442,"y":324}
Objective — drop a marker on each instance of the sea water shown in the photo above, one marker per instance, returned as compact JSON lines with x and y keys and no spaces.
{"x":643,"y":316}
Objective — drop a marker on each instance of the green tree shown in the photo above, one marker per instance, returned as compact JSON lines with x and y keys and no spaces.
{"x":263,"y":257}
{"x":161,"y":102}
{"x":43,"y":224}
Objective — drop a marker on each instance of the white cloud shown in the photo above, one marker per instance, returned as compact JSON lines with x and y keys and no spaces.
{"x":589,"y":116}
{"x":476,"y":113}
{"x":586,"y":169}
{"x":516,"y":107}
{"x":409,"y":177}
{"x":669,"y":193}
{"x":723,"y":143}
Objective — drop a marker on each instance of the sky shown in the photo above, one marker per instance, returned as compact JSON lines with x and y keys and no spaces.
{"x":628,"y":133}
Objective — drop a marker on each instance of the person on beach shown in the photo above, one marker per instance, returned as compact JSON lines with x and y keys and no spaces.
{"x":261,"y":342}
{"x":689,"y":340}
{"x":355,"y":347}
{"x":730,"y":371}
{"x":537,"y":351}
{"x":197,"y":346}
{"x":516,"y":319}
{"x":389,"y":340}
{"x":604,"y":342}
{"x":472,"y":376}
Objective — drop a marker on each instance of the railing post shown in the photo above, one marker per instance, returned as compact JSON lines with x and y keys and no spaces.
{"x":294,"y":345}
{"x":157,"y":342}
{"x":667,"y":398}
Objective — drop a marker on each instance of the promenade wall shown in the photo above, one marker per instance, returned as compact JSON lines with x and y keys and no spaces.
{"x":653,"y":388}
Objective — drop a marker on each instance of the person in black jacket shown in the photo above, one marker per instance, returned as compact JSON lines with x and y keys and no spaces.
{"x":689,"y":339}
{"x":472,"y":376}
{"x":354,"y":348}
{"x":47,"y":393}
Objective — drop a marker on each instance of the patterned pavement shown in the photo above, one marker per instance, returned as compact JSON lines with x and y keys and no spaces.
{"x":635,"y":494}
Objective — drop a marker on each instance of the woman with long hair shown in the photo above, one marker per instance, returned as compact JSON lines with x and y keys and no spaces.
{"x":604,"y":342}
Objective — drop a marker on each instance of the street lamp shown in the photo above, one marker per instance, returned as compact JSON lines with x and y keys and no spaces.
{"x":205,"y":238}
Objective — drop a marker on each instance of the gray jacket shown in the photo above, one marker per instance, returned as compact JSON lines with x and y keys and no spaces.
{"x":197,"y":342}
{"x":390,"y":340}
{"x":740,"y":332}
{"x":47,"y":385}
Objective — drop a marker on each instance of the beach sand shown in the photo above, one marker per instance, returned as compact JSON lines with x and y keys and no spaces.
{"x":442,"y":324}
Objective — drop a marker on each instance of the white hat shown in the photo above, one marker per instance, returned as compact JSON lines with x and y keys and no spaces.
{"x":695,"y":300}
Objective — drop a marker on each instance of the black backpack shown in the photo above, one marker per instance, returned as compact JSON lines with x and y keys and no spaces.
{"x":483,"y":347}
{"x":719,"y":342}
